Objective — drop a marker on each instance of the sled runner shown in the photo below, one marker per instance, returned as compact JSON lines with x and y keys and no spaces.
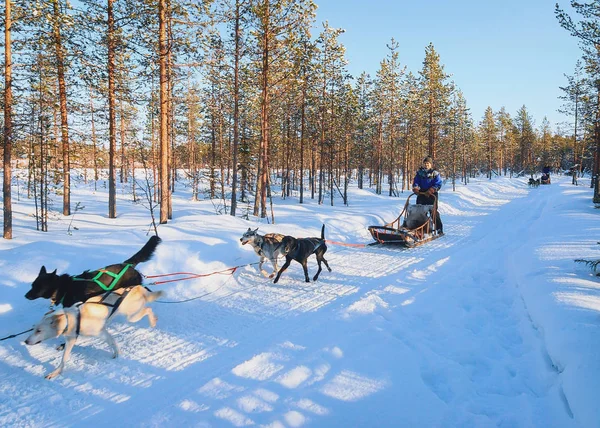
{"x":415,"y":225}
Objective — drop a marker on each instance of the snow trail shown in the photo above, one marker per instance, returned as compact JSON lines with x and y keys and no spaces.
{"x":438,"y":335}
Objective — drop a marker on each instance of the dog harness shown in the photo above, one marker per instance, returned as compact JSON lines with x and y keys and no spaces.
{"x":77,"y":320}
{"x":114,"y":307}
{"x":116,"y":277}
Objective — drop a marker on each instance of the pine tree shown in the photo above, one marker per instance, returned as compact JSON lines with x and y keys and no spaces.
{"x":488,"y":135}
{"x":277,"y":23}
{"x":526,"y":139}
{"x":587,"y":29}
{"x":7,"y":134}
{"x":164,"y":102}
{"x":504,"y":125}
{"x":58,"y":22}
{"x":435,"y":92}
{"x":573,"y":98}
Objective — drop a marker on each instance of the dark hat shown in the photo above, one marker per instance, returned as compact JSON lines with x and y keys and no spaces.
{"x":428,"y":159}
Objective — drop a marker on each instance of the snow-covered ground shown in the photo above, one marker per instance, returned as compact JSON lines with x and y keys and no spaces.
{"x":491,"y":325}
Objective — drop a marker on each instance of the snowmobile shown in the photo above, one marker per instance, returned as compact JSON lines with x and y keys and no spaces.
{"x":415,"y":225}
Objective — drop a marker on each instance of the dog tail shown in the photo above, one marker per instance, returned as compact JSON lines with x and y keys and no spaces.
{"x":323,"y":232}
{"x":151,"y":296}
{"x":145,"y":253}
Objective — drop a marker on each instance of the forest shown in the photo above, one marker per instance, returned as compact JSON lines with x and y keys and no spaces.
{"x":231,"y":96}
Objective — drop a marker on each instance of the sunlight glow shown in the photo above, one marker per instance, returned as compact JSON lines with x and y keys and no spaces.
{"x":294,"y":418}
{"x":295,"y":377}
{"x":260,"y":367}
{"x":266,"y":395}
{"x":311,"y":406}
{"x":335,"y":351}
{"x":432,"y":268}
{"x":366,"y":305}
{"x":191,"y":406}
{"x":579,"y":300}
{"x":250,"y":404}
{"x":219,"y":389}
{"x":236,"y":418}
{"x":350,"y":386}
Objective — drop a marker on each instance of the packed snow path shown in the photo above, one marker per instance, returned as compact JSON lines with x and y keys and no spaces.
{"x":439,"y":335}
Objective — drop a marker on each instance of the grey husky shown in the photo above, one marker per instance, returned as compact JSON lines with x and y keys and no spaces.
{"x":266,"y":246}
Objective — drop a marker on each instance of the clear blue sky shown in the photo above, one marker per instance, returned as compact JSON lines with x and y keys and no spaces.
{"x":500,"y":53}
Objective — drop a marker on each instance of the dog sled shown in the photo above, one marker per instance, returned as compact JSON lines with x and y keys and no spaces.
{"x":545,"y":179}
{"x":415,"y":226}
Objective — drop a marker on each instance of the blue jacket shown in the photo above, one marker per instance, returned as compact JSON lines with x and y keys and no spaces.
{"x":427,"y":178}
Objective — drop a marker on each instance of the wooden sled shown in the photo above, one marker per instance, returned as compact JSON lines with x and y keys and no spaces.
{"x":414,"y":226}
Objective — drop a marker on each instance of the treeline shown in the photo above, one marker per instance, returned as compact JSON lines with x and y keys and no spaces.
{"x":234,"y":92}
{"x":582,"y":92}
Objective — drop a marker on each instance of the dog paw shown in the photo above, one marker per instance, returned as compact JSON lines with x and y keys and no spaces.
{"x":53,"y":374}
{"x":272,"y":275}
{"x":60,"y":347}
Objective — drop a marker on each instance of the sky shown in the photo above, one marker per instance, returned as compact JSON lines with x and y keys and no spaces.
{"x":459,"y":332}
{"x":509,"y":53}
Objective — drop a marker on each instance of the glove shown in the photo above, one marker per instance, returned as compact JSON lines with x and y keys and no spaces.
{"x":416,"y":189}
{"x":431,"y":191}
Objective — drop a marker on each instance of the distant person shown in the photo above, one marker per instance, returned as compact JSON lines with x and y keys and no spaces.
{"x":426,"y":185}
{"x":573,"y":172}
{"x":546,"y":175}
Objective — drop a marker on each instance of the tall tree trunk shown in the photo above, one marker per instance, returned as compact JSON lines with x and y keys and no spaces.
{"x":164,"y":112}
{"x":94,"y":141}
{"x":236,"y":109}
{"x":172,"y":172}
{"x":302,"y":136}
{"x":264,"y":114}
{"x":213,"y":153}
{"x":64,"y":124}
{"x":431,"y":146}
{"x":6,"y":190}
{"x":112,"y":137}
{"x":245,"y":162}
{"x":123,"y":169}
{"x":596,"y":160}
{"x":346,"y":167}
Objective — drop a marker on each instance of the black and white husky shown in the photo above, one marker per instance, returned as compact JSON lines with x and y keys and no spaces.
{"x":300,"y":249}
{"x":67,"y":290}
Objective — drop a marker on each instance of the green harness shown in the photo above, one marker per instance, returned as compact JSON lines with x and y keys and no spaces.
{"x":116,"y":277}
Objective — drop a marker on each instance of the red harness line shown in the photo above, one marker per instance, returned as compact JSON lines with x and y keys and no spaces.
{"x":228,"y":271}
{"x":343,"y":244}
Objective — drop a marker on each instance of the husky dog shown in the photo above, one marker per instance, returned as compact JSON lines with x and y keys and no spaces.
{"x":90,"y":319}
{"x":68,"y":290}
{"x":266,"y":246}
{"x":300,"y":250}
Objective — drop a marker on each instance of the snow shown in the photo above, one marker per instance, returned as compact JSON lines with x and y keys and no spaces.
{"x":493,"y":324}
